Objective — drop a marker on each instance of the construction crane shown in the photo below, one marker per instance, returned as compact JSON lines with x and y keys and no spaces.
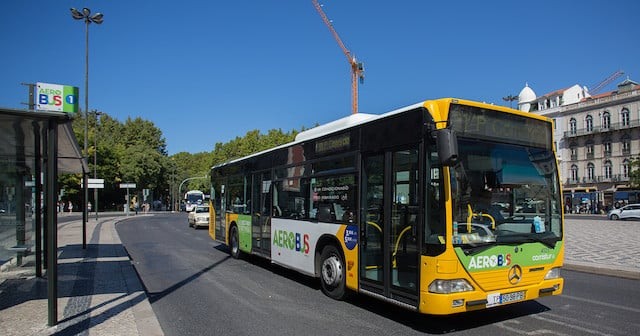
{"x":606,"y":82}
{"x":357,"y":68}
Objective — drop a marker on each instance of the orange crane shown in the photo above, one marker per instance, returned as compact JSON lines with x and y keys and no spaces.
{"x":606,"y":82}
{"x":357,"y":68}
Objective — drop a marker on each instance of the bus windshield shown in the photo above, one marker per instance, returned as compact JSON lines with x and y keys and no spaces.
{"x":505,"y":194}
{"x":192,"y":199}
{"x":195,"y":198}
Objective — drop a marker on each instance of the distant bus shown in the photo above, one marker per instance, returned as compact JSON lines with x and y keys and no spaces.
{"x":192,"y":198}
{"x":441,"y":207}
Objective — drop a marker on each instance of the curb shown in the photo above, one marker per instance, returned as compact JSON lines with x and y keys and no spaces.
{"x":602,"y":270}
{"x":145,"y":318}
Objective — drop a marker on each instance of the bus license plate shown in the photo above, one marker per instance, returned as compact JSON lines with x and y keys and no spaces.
{"x":495,"y":299}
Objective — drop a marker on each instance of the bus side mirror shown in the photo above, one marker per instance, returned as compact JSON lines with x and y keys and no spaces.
{"x":447,"y":142}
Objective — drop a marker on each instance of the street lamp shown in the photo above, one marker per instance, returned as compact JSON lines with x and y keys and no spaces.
{"x":85,"y":15}
{"x":95,"y":161}
{"x":510,"y":99}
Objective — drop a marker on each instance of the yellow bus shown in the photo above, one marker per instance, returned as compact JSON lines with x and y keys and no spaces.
{"x":442,"y":207}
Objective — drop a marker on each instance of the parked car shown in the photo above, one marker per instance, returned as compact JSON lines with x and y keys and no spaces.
{"x":625,"y":212}
{"x":199,"y":217}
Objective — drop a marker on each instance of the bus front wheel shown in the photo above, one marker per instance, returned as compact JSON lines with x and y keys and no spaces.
{"x":234,"y":242}
{"x":332,"y":273}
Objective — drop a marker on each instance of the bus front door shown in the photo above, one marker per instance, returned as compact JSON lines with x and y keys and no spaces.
{"x":389,"y":251}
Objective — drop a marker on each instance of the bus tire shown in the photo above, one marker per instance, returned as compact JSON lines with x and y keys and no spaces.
{"x":332,"y":273}
{"x":234,"y":243}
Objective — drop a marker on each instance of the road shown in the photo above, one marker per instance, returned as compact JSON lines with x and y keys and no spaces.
{"x":195,"y":288}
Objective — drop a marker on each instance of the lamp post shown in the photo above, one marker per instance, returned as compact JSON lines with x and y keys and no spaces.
{"x":85,"y":15}
{"x":510,"y":99}
{"x":95,"y":162}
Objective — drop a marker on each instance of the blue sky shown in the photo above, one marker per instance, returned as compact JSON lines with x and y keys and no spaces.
{"x":208,"y":71}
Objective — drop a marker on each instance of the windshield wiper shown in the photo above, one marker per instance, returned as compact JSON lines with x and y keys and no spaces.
{"x":472,"y":248}
{"x":527,"y":238}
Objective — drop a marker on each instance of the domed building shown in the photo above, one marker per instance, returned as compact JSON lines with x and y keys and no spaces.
{"x":595,"y":136}
{"x":529,"y":102}
{"x":525,"y":98}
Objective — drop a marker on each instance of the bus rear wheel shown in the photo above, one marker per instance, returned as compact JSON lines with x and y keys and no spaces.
{"x":234,"y":242}
{"x":332,"y":273}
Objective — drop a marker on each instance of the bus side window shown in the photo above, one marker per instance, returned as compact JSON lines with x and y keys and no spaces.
{"x":288,"y":200}
{"x":325,"y":213}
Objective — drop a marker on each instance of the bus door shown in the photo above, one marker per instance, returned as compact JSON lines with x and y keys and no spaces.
{"x":261,"y":213}
{"x":389,"y":251}
{"x":216,"y":223}
{"x":221,"y":216}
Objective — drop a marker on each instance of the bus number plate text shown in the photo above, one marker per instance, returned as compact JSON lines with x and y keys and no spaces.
{"x":495,"y":299}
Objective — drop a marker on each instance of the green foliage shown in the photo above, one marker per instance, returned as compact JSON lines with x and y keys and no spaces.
{"x":253,"y":141}
{"x":135,"y":151}
{"x":634,"y":173}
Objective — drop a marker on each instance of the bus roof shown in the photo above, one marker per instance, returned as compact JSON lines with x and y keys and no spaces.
{"x":328,"y":128}
{"x":194,"y":192}
{"x":363,"y":118}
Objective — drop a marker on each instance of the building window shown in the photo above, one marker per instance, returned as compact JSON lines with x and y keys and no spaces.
{"x":624,"y":115}
{"x":606,"y":120}
{"x":607,"y":171}
{"x":573,"y":127}
{"x":626,"y":144}
{"x":574,"y":173}
{"x":607,"y":148}
{"x":591,"y":171}
{"x":589,"y":149}
{"x":589,"y":123}
{"x":574,"y":152}
{"x":625,"y":169}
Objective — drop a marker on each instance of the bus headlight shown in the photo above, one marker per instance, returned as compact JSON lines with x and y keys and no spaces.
{"x":553,"y":273}
{"x":440,"y":286}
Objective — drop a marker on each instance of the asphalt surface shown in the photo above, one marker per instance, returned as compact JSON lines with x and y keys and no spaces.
{"x":195,"y":288}
{"x":101,"y":294}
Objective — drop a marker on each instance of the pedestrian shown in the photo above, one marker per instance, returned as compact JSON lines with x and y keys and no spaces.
{"x":89,"y":207}
{"x":70,"y":207}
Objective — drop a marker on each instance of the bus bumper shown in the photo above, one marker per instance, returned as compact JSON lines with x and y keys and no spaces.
{"x":445,"y":304}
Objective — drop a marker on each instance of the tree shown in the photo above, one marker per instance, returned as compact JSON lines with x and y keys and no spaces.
{"x":634,"y":172}
{"x":131,"y":152}
{"x":135,"y":151}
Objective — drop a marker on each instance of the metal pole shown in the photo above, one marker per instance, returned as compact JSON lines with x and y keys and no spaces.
{"x":95,"y":163}
{"x":52,"y":221}
{"x":86,"y":131}
{"x":128,"y":202}
{"x":39,"y":200}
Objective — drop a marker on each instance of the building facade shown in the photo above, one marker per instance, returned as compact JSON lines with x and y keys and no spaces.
{"x":596,"y":137}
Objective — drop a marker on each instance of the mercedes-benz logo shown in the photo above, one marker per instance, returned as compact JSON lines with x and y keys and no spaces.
{"x":515,"y":274}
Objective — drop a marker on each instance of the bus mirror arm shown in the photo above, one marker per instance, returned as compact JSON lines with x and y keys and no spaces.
{"x":447,"y":142}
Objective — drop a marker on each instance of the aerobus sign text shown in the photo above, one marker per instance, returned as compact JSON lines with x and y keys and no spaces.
{"x":55,"y":97}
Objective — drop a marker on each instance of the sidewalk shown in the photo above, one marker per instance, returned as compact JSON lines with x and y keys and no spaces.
{"x":99,"y":292}
{"x":603,"y":247}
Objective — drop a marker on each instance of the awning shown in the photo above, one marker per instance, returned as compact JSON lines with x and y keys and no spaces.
{"x":21,"y":132}
{"x":70,"y":158}
{"x":621,"y":195}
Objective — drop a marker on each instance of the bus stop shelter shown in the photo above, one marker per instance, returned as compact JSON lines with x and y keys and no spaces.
{"x":35,"y":146}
